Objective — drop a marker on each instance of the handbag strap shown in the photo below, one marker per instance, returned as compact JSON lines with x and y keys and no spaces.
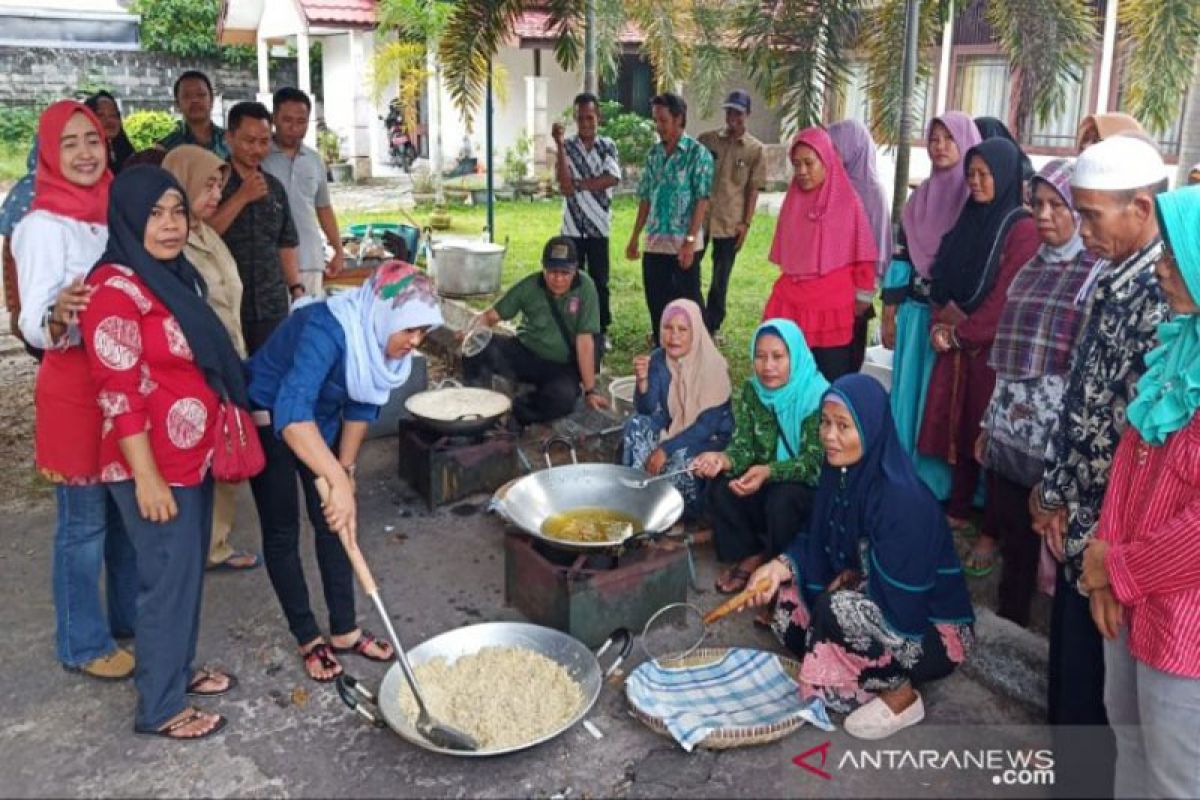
{"x":559,"y":322}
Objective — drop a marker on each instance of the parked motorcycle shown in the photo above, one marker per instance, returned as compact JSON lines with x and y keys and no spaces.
{"x":401,"y":149}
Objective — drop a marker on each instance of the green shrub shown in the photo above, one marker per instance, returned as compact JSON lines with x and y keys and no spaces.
{"x":144,"y":128}
{"x":632,"y":133}
{"x":516,"y":161}
{"x":18,"y":124}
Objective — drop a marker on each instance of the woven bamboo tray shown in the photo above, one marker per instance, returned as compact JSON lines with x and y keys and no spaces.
{"x":726,"y":738}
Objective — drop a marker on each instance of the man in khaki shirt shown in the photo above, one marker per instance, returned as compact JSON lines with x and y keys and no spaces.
{"x":741,"y":173}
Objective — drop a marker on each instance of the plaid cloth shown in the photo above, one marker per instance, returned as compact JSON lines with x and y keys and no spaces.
{"x":745,"y":688}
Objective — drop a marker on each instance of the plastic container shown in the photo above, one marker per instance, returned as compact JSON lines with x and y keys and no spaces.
{"x":412,"y":236}
{"x":878,"y":364}
{"x":621,"y":391}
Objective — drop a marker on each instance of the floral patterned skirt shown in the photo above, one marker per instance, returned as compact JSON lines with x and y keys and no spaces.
{"x":848,"y":654}
{"x":641,"y":439}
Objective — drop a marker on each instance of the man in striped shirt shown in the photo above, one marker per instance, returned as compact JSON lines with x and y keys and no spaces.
{"x":587,"y":169}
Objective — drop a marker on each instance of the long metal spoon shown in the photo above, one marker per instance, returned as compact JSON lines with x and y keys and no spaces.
{"x":644,"y":482}
{"x":438,"y":733}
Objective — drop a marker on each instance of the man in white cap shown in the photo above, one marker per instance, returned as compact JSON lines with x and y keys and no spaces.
{"x":1114,"y":185}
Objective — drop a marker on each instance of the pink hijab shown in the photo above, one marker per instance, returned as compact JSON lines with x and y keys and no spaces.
{"x":935,"y":205}
{"x":824,"y":230}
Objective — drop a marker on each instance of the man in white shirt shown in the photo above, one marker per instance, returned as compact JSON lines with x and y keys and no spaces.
{"x":302,"y":172}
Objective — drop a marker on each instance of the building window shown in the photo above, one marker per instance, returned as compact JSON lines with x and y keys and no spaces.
{"x":1059,"y":130}
{"x":981,"y":86}
{"x":1167,"y":140}
{"x":634,"y":85}
{"x":854,"y":102}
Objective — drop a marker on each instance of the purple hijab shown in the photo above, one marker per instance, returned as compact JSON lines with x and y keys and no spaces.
{"x":934,"y":207}
{"x":857,"y":150}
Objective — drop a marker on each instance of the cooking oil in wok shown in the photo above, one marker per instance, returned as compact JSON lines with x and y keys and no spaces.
{"x":590,"y":525}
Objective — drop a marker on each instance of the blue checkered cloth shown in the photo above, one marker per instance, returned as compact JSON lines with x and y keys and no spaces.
{"x":745,"y":688}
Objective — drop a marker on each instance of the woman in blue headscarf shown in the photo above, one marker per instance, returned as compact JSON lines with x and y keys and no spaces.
{"x":316,"y":384}
{"x":871,"y":595}
{"x":762,"y":483}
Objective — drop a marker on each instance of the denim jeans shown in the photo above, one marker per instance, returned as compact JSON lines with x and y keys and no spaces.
{"x":90,"y":535}
{"x":170,"y":566}
{"x":1156,"y":717}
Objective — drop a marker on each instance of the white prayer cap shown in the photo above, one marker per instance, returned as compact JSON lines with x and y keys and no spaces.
{"x":1119,"y":163}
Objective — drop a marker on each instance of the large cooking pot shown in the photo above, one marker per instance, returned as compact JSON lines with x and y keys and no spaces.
{"x":528,"y":501}
{"x":457,"y":410}
{"x":581,"y":664}
{"x":466,"y":269}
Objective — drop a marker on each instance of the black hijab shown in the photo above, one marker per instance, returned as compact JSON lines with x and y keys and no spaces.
{"x":969,"y":256}
{"x":176,"y":283}
{"x":992,"y":128}
{"x":120,"y":148}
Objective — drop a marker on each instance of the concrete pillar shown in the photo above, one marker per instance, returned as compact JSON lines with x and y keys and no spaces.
{"x":1104,"y":80}
{"x":537,"y":118}
{"x":304,"y":76}
{"x":264,"y":67}
{"x":359,"y":144}
{"x":943,"y":83}
{"x":1189,"y":139}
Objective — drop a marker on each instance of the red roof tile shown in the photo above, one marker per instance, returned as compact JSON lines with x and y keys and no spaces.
{"x":340,"y":12}
{"x":534,"y":24}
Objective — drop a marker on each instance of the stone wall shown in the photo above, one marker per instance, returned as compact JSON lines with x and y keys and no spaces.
{"x":35,"y":75}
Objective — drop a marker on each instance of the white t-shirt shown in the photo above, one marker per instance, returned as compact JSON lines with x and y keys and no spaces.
{"x":51,"y":251}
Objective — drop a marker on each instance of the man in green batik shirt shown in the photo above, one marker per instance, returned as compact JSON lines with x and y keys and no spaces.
{"x":674,"y":190}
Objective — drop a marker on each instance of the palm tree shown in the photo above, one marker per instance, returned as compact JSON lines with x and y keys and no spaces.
{"x":682,"y":39}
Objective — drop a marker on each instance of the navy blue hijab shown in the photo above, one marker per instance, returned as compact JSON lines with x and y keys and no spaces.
{"x":176,"y":283}
{"x":913,"y":572}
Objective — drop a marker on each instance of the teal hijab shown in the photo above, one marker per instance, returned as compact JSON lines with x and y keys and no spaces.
{"x":1169,"y":393}
{"x":797,"y":399}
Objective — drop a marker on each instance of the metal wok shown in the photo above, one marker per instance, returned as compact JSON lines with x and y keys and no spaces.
{"x":582,"y":665}
{"x":429,"y":408}
{"x":527,"y":502}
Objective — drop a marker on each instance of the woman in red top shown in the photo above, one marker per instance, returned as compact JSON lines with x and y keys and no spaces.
{"x":1142,"y":571}
{"x":55,"y":245}
{"x":161,"y":361}
{"x":978,"y":258}
{"x":825,"y":246}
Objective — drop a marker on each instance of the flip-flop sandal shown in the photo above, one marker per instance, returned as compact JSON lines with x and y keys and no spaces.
{"x":735,"y":580}
{"x":227,"y":566}
{"x":202,"y":675}
{"x":324,"y":655}
{"x":979,"y":565}
{"x":364,"y":641}
{"x":169,"y":731}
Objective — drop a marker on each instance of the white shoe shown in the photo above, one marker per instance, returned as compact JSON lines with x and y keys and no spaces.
{"x":875,"y":720}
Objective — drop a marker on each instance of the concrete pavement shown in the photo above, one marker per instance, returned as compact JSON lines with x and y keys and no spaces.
{"x":65,"y":735}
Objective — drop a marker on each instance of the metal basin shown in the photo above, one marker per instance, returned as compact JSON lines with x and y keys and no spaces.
{"x":581,"y":664}
{"x":530,"y":500}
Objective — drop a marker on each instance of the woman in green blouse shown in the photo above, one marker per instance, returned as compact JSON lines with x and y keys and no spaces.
{"x":761,"y":487}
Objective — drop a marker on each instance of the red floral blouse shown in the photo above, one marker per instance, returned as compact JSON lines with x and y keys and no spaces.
{"x":147,"y":380}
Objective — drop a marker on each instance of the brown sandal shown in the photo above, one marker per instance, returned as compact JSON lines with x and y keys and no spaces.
{"x":364,"y":641}
{"x":171,"y":730}
{"x":322,"y":654}
{"x":206,"y":674}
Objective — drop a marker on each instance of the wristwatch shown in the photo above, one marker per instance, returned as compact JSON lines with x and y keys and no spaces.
{"x":292,"y":289}
{"x":690,"y":239}
{"x":591,"y":391}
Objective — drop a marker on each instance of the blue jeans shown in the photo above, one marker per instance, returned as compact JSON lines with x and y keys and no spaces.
{"x":90,"y":535}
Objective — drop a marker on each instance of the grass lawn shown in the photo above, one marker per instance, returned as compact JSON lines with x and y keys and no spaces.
{"x":12,"y":161}
{"x":527,"y":226}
